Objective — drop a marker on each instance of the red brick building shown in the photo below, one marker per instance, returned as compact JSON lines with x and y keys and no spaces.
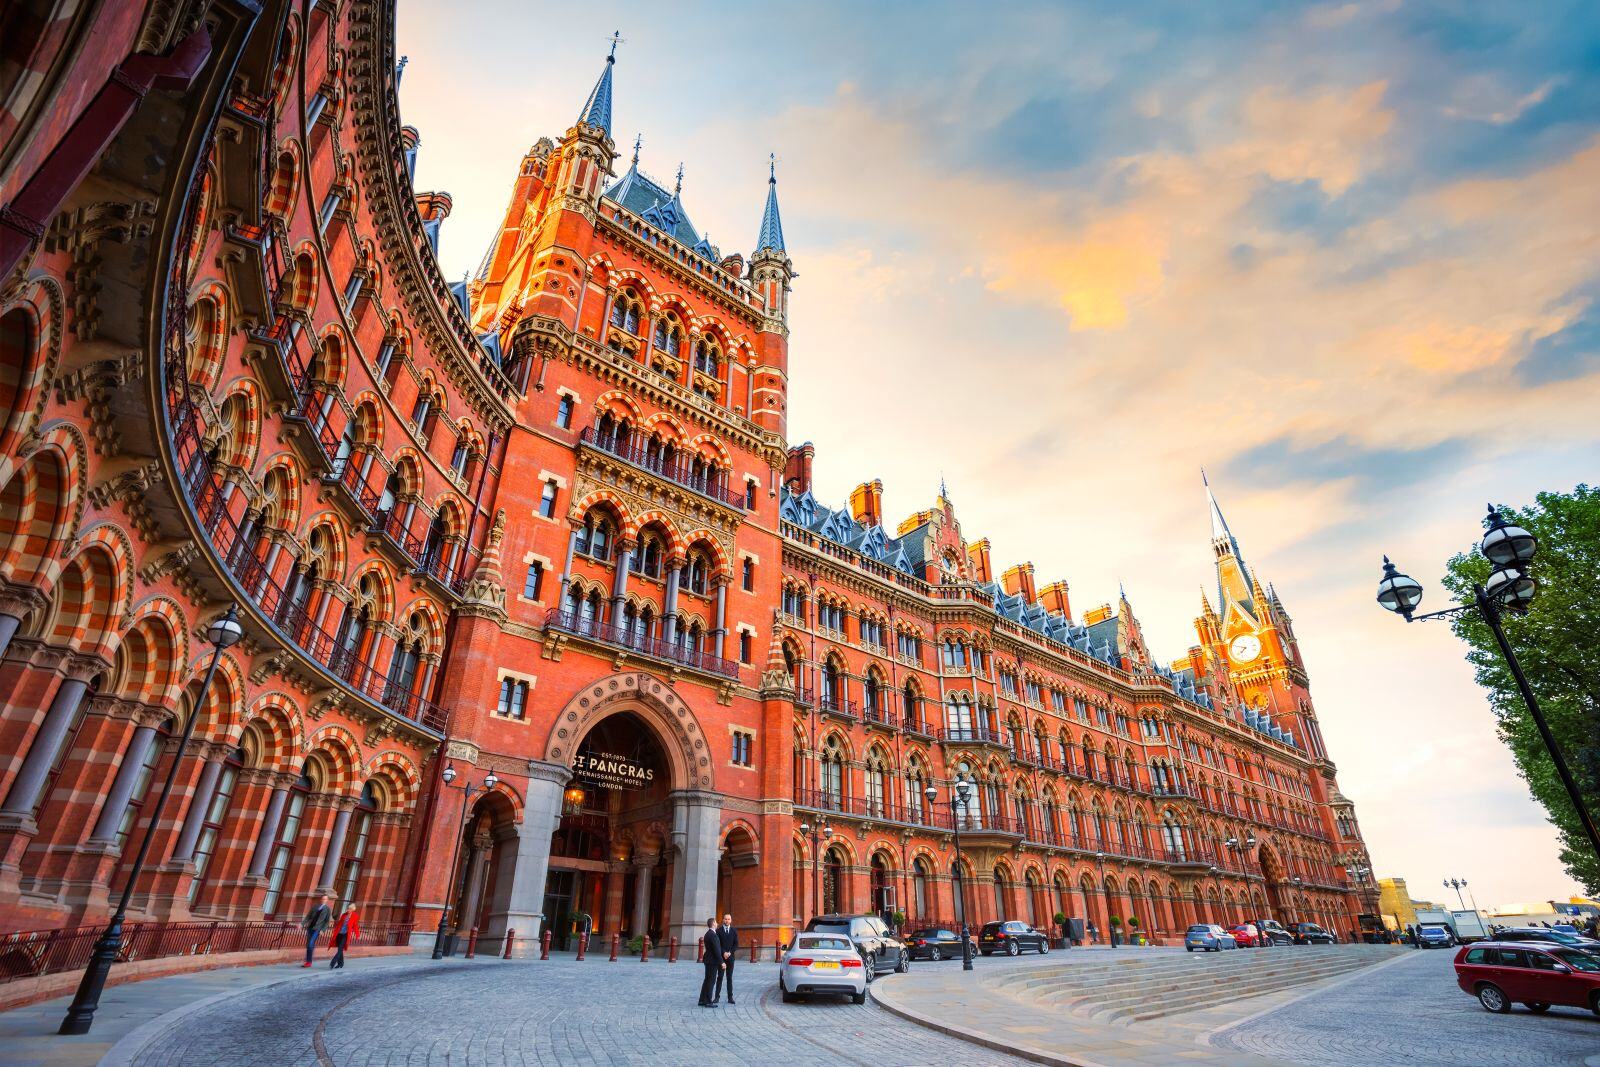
{"x":545,"y":524}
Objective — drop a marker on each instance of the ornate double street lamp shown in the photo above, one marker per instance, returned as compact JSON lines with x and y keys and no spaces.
{"x":1509,"y":587}
{"x":818,"y":834}
{"x":1458,"y":884}
{"x":467,"y":789}
{"x":224,"y":632}
{"x":960,"y":794}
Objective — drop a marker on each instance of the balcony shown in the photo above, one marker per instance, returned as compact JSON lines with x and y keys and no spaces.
{"x":844,"y":710}
{"x":619,"y":637}
{"x":312,"y":435}
{"x":971,"y":735}
{"x":712,"y":484}
{"x":284,"y":368}
{"x":347,"y":478}
{"x":804,"y":697}
{"x":875,"y":715}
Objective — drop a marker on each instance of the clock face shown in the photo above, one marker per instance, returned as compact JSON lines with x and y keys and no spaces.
{"x":1245,"y":648}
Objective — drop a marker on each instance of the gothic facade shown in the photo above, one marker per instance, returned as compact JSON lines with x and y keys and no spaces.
{"x":545,"y":524}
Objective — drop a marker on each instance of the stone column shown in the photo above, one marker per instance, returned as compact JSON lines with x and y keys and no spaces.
{"x":696,"y":827}
{"x":195,"y":819}
{"x":330,"y":860}
{"x":644,"y":869}
{"x":105,"y":827}
{"x":268,"y":837}
{"x":611,"y":919}
{"x":669,"y":608}
{"x":16,"y":601}
{"x":619,"y":587}
{"x":466,"y":915}
{"x":566,"y":568}
{"x":28,"y":786}
{"x":525,"y":861}
{"x":719,"y":629}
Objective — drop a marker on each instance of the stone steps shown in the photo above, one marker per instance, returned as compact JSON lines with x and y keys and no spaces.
{"x":1136,"y":988}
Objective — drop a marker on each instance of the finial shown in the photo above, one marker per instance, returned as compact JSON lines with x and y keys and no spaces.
{"x":678,"y":188}
{"x":638,"y":139}
{"x":400,"y":68}
{"x":616,"y":39}
{"x":772,"y":168}
{"x":944,"y":493}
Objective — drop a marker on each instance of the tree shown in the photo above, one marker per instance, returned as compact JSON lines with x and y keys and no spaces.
{"x":1558,"y":644}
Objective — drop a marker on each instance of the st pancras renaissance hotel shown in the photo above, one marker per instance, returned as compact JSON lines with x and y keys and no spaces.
{"x":507,"y":606}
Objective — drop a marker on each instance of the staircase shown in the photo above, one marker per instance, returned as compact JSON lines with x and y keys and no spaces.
{"x":1137,"y":985}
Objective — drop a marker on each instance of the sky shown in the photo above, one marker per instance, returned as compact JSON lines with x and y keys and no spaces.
{"x":1345,"y":257}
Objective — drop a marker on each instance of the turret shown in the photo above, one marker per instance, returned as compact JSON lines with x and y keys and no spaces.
{"x":587,"y":151}
{"x":770,"y":274}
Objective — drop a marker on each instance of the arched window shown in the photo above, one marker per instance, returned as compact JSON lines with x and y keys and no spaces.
{"x":833,"y":774}
{"x":832,"y":686}
{"x":916,"y":782}
{"x":871,"y":698}
{"x":919,"y":887}
{"x":647,"y":558}
{"x":908,"y":706}
{"x":141,"y":785}
{"x":355,"y":847}
{"x":205,"y":846}
{"x":958,"y":718}
{"x":595,"y":539}
{"x":698,"y":572}
{"x":1001,"y":912}
{"x":626,"y":312}
{"x":284,"y":845}
{"x":877,"y":783}
{"x":967,"y":811}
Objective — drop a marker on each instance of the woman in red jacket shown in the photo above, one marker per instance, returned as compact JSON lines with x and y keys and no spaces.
{"x":346,"y":930}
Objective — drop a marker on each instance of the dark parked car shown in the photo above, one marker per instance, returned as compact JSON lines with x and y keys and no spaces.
{"x":880,"y":949}
{"x":1011,"y":938}
{"x":1311,"y":934}
{"x":934,"y":943}
{"x":1435,"y":936}
{"x":1536,"y":975}
{"x":1272,"y":932}
{"x":1547,"y":935}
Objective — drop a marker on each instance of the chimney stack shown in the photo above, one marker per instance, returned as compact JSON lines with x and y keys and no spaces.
{"x":797,"y":470}
{"x":1054,"y":599}
{"x":866,"y":503}
{"x":978,"y":555}
{"x":1018,"y":581}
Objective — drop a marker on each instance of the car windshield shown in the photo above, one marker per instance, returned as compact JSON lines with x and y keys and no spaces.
{"x":836,"y":926}
{"x":824,"y":944}
{"x":1579,"y":960}
{"x":990,"y":928}
{"x":1199,"y":929}
{"x":923,"y":933}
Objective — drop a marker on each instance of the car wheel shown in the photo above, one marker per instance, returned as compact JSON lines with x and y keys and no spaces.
{"x":905,"y":963}
{"x":858,"y":998}
{"x":1538,"y":1008}
{"x":1013,"y":949}
{"x":1493,"y":998}
{"x":788,"y":997}
{"x":934,"y":954}
{"x":1188,"y":948}
{"x":1044,"y":945}
{"x":1594,"y":1003}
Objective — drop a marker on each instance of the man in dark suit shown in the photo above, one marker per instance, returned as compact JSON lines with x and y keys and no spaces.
{"x":713,"y":963}
{"x":729,"y":938}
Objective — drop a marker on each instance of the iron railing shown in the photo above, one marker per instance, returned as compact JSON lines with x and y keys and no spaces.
{"x":633,"y":640}
{"x":710,"y":482}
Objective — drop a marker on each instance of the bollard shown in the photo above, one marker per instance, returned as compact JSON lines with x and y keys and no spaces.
{"x":700,"y":950}
{"x":472,"y":943}
{"x":544,"y":945}
{"x":511,"y":937}
{"x":616,"y":941}
{"x":672,"y":950}
{"x":583,"y":945}
{"x":755,"y":947}
{"x":644,"y":949}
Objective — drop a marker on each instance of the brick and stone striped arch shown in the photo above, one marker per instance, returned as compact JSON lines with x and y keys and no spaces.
{"x":619,"y":405}
{"x":704,"y":538}
{"x":41,"y":506}
{"x":374,"y":588}
{"x":741,"y":836}
{"x":676,"y":545}
{"x":280,"y":492}
{"x":332,"y":363}
{"x":641,"y":286}
{"x":299,"y":290}
{"x":335,"y":750}
{"x":149,"y":652}
{"x":665,"y":427}
{"x":93,"y":595}
{"x":452,"y":510}
{"x":711,"y":447}
{"x":408,"y":465}
{"x":367,"y":420}
{"x":398,"y":776}
{"x":284,"y":193}
{"x":30,"y":345}
{"x":605,"y":498}
{"x":238,"y":428}
{"x":325,"y":542}
{"x":206,"y":334}
{"x":711,"y":326}
{"x":279,"y":730}
{"x":220,"y":708}
{"x":425,"y":610}
{"x":657,"y":704}
{"x":286,"y":63}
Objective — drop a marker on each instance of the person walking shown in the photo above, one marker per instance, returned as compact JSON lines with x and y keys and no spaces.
{"x":345,"y":931}
{"x":728,"y":937}
{"x":712,"y":958}
{"x":316,"y":921}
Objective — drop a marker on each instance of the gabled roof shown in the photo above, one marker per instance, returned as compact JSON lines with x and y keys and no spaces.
{"x":654,"y":204}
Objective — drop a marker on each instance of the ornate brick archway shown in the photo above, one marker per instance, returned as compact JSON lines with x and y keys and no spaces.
{"x":654,"y":701}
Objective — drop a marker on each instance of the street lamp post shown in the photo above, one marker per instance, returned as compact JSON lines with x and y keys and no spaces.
{"x":1360,"y":874}
{"x":1458,"y":884}
{"x":223,"y":633}
{"x":826,"y":833}
{"x":1508,"y":588}
{"x":452,"y":913}
{"x":960,"y":793}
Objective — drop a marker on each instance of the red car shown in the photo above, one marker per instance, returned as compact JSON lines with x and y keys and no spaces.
{"x":1528,"y":973}
{"x":1245,"y":935}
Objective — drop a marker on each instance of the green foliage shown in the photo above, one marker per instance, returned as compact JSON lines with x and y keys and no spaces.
{"x":899,"y":918}
{"x":635,"y":944}
{"x":1115,"y":921}
{"x":1133,"y":922}
{"x":1061,"y":918}
{"x":1557,"y":646}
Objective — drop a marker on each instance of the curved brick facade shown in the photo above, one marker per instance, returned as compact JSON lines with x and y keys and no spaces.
{"x":502,"y":526}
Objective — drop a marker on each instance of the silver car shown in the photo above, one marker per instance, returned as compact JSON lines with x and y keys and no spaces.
{"x":822,"y":963}
{"x":1208,"y":937}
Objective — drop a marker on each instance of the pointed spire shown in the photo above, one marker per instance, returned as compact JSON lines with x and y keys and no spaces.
{"x":771,"y":236}
{"x":597,"y":109}
{"x":1219,"y":525}
{"x":484,"y":595}
{"x":638,"y":141}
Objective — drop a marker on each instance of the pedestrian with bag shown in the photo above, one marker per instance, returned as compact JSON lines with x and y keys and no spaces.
{"x":712,"y":958}
{"x":728,"y":937}
{"x":316,"y":921}
{"x":345,"y":931}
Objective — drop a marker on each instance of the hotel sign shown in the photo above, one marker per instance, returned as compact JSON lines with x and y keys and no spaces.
{"x":611,"y":770}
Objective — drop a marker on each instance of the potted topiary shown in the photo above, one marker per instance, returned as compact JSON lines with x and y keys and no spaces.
{"x":1116,"y":931}
{"x":1134,"y":936}
{"x":899,"y":918}
{"x":1060,"y":918}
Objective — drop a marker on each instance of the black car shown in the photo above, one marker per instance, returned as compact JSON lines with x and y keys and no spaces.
{"x":1011,"y":938}
{"x":1272,"y":932}
{"x":1311,"y":934}
{"x":880,"y":949}
{"x":934,"y":943}
{"x":1545,"y":934}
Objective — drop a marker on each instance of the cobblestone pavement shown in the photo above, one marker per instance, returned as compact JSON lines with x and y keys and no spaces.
{"x":534,"y":1013}
{"x":1412,"y":1013}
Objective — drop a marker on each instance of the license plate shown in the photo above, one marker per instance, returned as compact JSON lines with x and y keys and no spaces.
{"x":826,"y":966}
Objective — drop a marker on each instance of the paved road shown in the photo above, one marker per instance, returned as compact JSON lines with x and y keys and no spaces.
{"x":538,"y":1013}
{"x":1412,"y":1013}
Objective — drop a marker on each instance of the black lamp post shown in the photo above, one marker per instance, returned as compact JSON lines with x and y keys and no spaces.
{"x":1458,"y":884}
{"x":1508,"y":588}
{"x":818,"y":834}
{"x":450,"y":911}
{"x":224,"y":632}
{"x":960,"y":794}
